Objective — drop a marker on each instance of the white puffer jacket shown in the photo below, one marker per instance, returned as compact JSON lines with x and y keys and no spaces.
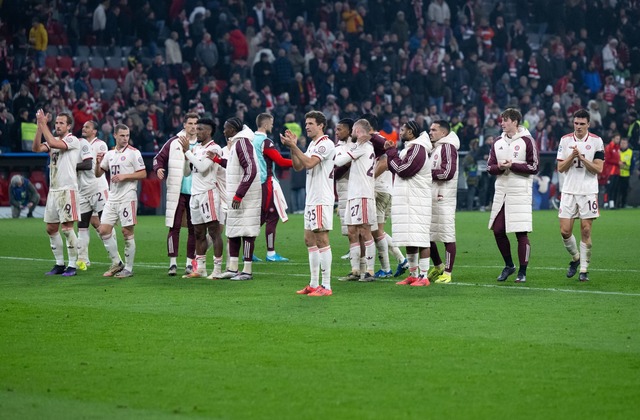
{"x":411,"y":203}
{"x":174,"y":177}
{"x":444,"y":192}
{"x":244,"y":221}
{"x":514,"y":190}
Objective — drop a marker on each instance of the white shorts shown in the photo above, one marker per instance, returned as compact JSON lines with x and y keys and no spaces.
{"x":342,"y":205}
{"x":93,"y":202}
{"x":573,"y":206}
{"x":62,"y":207}
{"x":205,"y":208}
{"x":360,"y":211}
{"x":124,"y":211}
{"x":318,"y":218}
{"x":383,"y":206}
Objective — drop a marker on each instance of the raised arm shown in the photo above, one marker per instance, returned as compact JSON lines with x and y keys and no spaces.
{"x":52,"y":141}
{"x":299,"y":159}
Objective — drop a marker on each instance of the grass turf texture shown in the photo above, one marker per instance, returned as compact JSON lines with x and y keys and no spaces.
{"x":160,"y":347}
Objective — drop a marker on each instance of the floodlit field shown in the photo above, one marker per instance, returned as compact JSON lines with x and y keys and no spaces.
{"x":156,"y":347}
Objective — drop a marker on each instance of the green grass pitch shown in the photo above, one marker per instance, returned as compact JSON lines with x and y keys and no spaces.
{"x":156,"y":347}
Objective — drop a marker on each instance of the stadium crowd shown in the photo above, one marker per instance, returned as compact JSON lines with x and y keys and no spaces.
{"x":402,"y":60}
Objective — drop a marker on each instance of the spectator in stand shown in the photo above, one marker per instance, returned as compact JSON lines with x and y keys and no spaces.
{"x":100,"y":21}
{"x":207,"y":52}
{"x":439,"y":11}
{"x":610,"y":56}
{"x":39,"y":41}
{"x":626,"y":168}
{"x":611,"y":170}
{"x":6,"y":121}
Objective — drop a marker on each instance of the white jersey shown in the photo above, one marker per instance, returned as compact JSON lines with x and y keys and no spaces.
{"x":578,"y":180}
{"x":204,"y":170}
{"x":384,"y":181}
{"x":62,"y":168}
{"x":320,"y":177}
{"x":363,"y":160}
{"x":221,"y":177}
{"x":88,"y":184}
{"x":127,"y":161}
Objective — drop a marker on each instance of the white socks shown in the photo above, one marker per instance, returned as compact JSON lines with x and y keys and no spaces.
{"x":129,"y":253}
{"x":325,"y":257}
{"x":72,"y":246}
{"x":56,"y":247}
{"x":571,"y":247}
{"x":383,"y":252}
{"x":585,"y":257}
{"x":314,"y":266}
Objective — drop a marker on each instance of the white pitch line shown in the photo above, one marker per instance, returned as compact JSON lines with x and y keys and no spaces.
{"x":498,"y":286}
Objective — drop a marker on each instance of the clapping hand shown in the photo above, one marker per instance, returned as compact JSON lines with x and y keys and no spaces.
{"x":184,"y":142}
{"x":289,"y":139}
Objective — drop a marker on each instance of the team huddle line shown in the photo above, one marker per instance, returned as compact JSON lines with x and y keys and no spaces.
{"x":212,"y":189}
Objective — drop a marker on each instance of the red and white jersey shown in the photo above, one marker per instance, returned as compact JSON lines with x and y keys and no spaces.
{"x":221,"y":176}
{"x":88,"y":184}
{"x":62,"y":168}
{"x":578,"y":180}
{"x":122,"y":162}
{"x":384,"y":182}
{"x":363,"y":160}
{"x":204,"y":171}
{"x":320,"y":177}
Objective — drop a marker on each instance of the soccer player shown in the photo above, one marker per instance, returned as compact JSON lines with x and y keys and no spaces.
{"x":169,"y":164}
{"x":274,"y":205}
{"x":411,"y":205}
{"x":383,"y":187}
{"x":243,"y":198}
{"x":318,"y":213}
{"x":205,"y":199}
{"x":62,"y":201}
{"x":444,"y":190}
{"x":581,"y":159}
{"x":513,"y":159}
{"x":360,"y":208}
{"x":125,"y":166}
{"x":93,"y":192}
{"x":341,"y":174}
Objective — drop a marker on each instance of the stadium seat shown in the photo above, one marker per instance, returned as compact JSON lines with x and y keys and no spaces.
{"x":39,"y":180}
{"x":109,"y":86}
{"x":96,"y":73}
{"x":83,"y":51}
{"x":4,"y":192}
{"x":65,"y":63}
{"x":52,"y":51}
{"x":97,"y":62}
{"x":114,"y":62}
{"x":51,"y":62}
{"x":96,"y":83}
{"x":64,"y":50}
{"x":110,"y":73}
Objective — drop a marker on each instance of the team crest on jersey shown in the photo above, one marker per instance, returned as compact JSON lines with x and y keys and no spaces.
{"x":516,"y":148}
{"x":322,"y":149}
{"x":140,"y":161}
{"x":588,"y":147}
{"x":123,"y":157}
{"x":435,"y":157}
